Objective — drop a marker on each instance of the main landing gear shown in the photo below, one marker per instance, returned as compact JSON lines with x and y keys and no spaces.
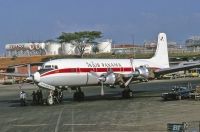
{"x":78,"y":95}
{"x":127,"y":93}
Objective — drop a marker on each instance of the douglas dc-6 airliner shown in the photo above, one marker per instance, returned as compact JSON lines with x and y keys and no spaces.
{"x":76,"y":73}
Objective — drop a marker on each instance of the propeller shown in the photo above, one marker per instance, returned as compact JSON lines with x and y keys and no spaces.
{"x":102,"y":89}
{"x":132,"y":75}
{"x":101,"y":78}
{"x":141,"y":71}
{"x":128,"y":81}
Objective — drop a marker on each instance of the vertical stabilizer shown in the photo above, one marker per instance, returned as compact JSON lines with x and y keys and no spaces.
{"x":161,"y":54}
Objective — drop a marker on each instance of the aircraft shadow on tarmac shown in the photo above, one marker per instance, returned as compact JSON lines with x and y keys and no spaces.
{"x":109,"y":96}
{"x":117,"y":96}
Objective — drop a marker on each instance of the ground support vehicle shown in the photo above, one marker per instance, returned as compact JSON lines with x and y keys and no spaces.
{"x":195,"y":94}
{"x":177,"y":93}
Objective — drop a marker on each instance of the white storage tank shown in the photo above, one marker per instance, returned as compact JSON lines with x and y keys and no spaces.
{"x":38,"y":46}
{"x":68,"y":49}
{"x":88,"y":49}
{"x":53,"y":48}
{"x":25,"y":46}
{"x":105,"y":46}
{"x":16,"y":47}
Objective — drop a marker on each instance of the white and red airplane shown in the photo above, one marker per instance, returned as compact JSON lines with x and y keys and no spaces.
{"x":74,"y":73}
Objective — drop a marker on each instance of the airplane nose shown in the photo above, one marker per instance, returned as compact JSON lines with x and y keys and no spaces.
{"x":36,"y":77}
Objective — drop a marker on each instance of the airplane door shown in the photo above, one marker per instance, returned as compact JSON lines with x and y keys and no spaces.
{"x":94,"y":69}
{"x":121,"y":69}
{"x":77,"y":70}
{"x":80,"y":76}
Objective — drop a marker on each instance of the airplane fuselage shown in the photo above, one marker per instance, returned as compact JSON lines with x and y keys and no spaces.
{"x":76,"y":72}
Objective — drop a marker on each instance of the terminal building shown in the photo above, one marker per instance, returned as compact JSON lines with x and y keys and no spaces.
{"x":54,"y":48}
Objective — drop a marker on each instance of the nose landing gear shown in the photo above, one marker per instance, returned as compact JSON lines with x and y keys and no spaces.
{"x":50,"y":100}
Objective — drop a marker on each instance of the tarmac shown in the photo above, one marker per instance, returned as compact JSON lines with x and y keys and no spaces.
{"x":146,"y":112}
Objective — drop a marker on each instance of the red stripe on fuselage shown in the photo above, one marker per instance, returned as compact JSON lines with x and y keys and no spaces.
{"x":82,"y":70}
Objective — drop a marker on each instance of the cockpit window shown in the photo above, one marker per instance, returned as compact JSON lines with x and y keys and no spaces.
{"x":50,"y":67}
{"x":47,"y":66}
{"x":56,"y":67}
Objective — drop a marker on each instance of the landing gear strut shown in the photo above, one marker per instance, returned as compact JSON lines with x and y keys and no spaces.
{"x":78,"y":95}
{"x":127,"y":93}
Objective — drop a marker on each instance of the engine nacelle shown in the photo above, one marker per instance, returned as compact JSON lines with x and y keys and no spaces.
{"x":142,"y":71}
{"x":109,"y":79}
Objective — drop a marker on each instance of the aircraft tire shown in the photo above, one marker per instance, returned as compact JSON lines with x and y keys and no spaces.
{"x":81,"y":96}
{"x":75,"y":96}
{"x":50,"y":100}
{"x":127,"y":94}
{"x":130,"y":93}
{"x":78,"y":96}
{"x":123,"y":94}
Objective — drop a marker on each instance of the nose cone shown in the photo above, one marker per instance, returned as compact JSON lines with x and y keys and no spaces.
{"x":36,"y":77}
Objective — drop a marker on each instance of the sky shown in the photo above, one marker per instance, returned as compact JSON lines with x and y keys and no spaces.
{"x":123,"y":21}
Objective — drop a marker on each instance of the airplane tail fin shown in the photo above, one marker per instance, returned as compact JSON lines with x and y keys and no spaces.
{"x":161,"y":55}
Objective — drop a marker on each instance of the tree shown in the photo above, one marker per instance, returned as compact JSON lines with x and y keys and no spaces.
{"x":95,"y":49}
{"x":80,"y":39}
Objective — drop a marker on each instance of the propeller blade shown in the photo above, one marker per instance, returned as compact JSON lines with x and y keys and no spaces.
{"x":102,"y":89}
{"x":128,"y":82}
{"x":94,"y":74}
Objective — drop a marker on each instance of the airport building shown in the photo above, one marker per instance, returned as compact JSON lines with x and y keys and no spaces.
{"x":173,"y":47}
{"x":193,"y":43}
{"x":148,"y":47}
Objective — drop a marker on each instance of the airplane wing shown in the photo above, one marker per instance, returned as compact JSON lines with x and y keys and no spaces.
{"x":176,"y":69}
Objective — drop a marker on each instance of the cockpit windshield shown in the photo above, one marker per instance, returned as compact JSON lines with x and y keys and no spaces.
{"x":49,"y":67}
{"x":46,"y":68}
